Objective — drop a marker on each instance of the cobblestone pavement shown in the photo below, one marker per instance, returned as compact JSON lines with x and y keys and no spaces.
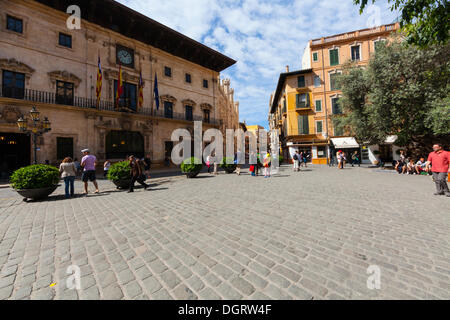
{"x":307,"y":235}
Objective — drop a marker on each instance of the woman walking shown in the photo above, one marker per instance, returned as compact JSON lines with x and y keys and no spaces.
{"x":209,"y":163}
{"x":106,"y":167}
{"x":267,"y":162}
{"x":68,"y":173}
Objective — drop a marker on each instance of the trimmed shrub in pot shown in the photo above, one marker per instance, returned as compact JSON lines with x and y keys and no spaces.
{"x":36,"y":181}
{"x":191,"y":168}
{"x":120,"y":174}
{"x":228,"y":166}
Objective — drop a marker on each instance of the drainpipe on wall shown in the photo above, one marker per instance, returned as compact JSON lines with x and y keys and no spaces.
{"x":325,"y":106}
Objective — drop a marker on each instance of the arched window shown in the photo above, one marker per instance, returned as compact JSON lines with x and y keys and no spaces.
{"x":120,"y":144}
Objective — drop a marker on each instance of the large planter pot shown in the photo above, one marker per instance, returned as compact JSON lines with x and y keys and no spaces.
{"x":37,"y":194}
{"x":122,"y":184}
{"x":191,"y":175}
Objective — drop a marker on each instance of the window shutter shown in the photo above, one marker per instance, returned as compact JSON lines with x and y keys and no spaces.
{"x":301,"y":81}
{"x":297,"y":100}
{"x":334,"y":58}
{"x":300,"y":124}
{"x":308,"y":101}
{"x":306,"y":125}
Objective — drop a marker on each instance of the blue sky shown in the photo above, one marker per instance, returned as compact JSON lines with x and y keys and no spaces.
{"x":262,"y":35}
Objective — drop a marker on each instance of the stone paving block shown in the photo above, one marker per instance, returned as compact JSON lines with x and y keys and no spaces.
{"x":151,"y":285}
{"x":208,"y":294}
{"x":133,"y":289}
{"x":161,"y":295}
{"x":170,"y":279}
{"x":43,"y":294}
{"x":227,"y":292}
{"x":113,"y":292}
{"x":184,"y":293}
{"x":157,"y":266}
{"x":242,"y":286}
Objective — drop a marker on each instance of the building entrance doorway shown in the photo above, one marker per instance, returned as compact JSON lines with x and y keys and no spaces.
{"x":14,"y":153}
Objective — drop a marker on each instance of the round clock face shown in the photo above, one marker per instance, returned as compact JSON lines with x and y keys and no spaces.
{"x":125,"y":57}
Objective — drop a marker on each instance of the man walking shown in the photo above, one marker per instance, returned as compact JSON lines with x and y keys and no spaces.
{"x":136,"y":173}
{"x":439,"y":161}
{"x":296,"y":160}
{"x":238,"y":162}
{"x":88,"y":163}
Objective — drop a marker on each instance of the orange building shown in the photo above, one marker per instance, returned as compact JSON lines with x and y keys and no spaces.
{"x":305,"y":100}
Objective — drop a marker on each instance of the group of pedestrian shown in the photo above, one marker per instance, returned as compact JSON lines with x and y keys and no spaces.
{"x":69,"y":170}
{"x":436,"y":165}
{"x":342,"y":159}
{"x":299,"y":159}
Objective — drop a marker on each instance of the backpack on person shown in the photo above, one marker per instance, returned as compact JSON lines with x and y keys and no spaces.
{"x":295,"y":157}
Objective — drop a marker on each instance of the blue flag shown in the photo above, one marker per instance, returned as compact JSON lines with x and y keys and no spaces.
{"x":155,"y":91}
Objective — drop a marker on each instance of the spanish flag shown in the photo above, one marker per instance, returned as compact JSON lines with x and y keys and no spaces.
{"x":99,"y":82}
{"x":141,"y":91}
{"x":119,"y":91}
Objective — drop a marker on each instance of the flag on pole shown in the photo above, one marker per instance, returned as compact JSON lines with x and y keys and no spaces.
{"x":99,"y":82}
{"x":141,"y":91}
{"x":156,"y":94}
{"x":119,"y":91}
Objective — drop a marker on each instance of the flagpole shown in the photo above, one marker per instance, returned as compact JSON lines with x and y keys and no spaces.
{"x":152,"y":81}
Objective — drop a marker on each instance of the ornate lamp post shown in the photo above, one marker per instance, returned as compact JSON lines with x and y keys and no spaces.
{"x":37,"y":128}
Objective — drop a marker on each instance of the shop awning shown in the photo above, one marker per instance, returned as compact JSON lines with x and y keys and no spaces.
{"x":345,"y":143}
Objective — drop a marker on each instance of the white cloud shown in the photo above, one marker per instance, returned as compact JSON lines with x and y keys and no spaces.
{"x":263,"y":35}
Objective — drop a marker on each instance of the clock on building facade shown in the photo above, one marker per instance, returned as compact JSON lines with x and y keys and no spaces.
{"x":125,"y":56}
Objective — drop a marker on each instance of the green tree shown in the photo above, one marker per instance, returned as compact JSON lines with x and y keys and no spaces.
{"x":402,"y":91}
{"x":425,"y":22}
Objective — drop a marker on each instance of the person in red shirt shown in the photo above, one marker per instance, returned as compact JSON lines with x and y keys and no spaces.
{"x":439,"y":160}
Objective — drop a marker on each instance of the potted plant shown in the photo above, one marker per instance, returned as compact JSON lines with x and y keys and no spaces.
{"x":35,"y":182}
{"x":120,"y":174}
{"x":191,"y":167}
{"x":228,"y":165}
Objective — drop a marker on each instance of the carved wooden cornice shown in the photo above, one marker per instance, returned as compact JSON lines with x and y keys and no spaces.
{"x":17,"y":66}
{"x":114,"y":75}
{"x":64,"y":76}
{"x":188,"y":102}
{"x":206,"y":106}
{"x":168,"y":98}
{"x":10,"y":114}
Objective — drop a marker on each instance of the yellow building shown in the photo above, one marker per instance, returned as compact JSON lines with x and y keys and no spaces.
{"x":304,"y":102}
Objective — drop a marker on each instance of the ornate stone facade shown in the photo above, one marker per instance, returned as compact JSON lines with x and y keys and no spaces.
{"x":37,"y":54}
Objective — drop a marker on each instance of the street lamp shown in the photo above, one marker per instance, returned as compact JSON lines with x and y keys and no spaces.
{"x":36,"y":129}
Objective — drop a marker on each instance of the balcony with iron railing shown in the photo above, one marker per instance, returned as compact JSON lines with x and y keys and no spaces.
{"x":91,"y":104}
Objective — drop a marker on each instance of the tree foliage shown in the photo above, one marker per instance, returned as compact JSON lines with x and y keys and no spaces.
{"x":425,"y":22}
{"x":402,"y":91}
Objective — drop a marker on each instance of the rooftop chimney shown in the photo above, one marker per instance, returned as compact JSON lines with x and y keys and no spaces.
{"x":287,"y":68}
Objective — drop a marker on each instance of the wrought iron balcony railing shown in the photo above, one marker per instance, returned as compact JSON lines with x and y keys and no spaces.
{"x":86,"y":103}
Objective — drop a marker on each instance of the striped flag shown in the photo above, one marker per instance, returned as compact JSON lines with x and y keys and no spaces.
{"x":99,"y":82}
{"x":141,"y":91}
{"x":156,"y":94}
{"x":119,"y":91}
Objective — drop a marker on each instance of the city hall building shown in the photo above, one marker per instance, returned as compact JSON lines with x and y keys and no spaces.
{"x":45,"y":64}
